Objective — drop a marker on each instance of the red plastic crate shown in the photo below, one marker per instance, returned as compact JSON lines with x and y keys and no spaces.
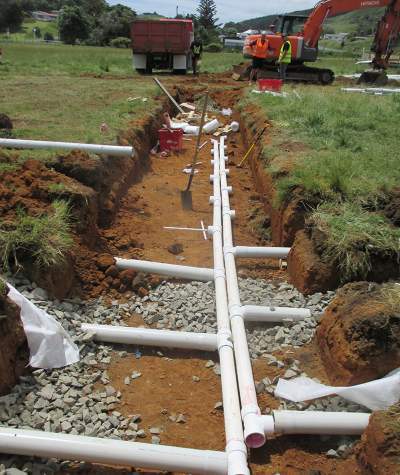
{"x":274,"y":85}
{"x":170,"y":139}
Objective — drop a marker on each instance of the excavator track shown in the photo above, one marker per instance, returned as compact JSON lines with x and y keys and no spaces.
{"x":296,"y":72}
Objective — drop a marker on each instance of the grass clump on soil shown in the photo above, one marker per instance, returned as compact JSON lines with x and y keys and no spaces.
{"x":43,"y":240}
{"x":391,"y":296}
{"x":353,"y":236}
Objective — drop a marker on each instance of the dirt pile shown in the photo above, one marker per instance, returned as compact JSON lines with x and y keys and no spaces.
{"x":14,"y":353}
{"x":379,"y":452}
{"x":359,"y":334}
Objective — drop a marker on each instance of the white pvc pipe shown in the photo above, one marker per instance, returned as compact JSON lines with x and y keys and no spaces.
{"x":251,"y":413}
{"x":109,"y":451}
{"x":235,"y":446}
{"x":259,"y":252}
{"x":181,"y":272}
{"x":149,"y":337}
{"x":316,"y":422}
{"x":256,"y":313}
{"x":91,"y":148}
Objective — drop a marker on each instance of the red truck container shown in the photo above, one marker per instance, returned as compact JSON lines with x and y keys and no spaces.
{"x":162,"y":44}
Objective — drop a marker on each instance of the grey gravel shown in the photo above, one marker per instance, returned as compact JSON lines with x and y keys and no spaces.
{"x":65,"y":399}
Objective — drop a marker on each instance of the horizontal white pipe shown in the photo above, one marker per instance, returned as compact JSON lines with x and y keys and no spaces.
{"x":267,"y":252}
{"x":171,"y":270}
{"x":316,"y":422}
{"x":149,"y":337}
{"x":256,"y":313}
{"x":109,"y":451}
{"x":38,"y":144}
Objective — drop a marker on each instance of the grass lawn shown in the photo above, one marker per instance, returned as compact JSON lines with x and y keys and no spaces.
{"x":53,"y":60}
{"x":346,"y":172}
{"x":26,"y":32}
{"x":60,"y":92}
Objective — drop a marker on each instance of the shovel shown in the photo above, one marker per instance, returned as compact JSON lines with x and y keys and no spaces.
{"x":186,"y":195}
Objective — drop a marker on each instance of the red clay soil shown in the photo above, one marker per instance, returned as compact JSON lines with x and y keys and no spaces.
{"x":359,"y":335}
{"x":307,"y":272}
{"x":32,"y":188}
{"x":379,"y":451}
{"x":14,"y":353}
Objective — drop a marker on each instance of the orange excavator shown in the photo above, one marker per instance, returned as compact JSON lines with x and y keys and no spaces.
{"x":304,"y":34}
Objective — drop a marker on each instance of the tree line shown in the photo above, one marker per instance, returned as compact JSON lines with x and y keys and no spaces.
{"x":94,"y":22}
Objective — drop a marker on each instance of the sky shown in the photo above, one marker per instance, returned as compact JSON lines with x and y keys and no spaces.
{"x":228,"y":10}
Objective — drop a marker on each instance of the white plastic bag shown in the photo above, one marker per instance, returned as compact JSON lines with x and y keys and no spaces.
{"x":49,"y":344}
{"x":376,"y":395}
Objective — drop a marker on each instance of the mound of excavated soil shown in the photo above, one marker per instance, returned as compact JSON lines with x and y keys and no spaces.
{"x":32,"y":188}
{"x":380,"y":445}
{"x":359,"y":335}
{"x":14,"y":353}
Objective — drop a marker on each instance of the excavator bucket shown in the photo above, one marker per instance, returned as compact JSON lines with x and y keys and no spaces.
{"x":377,"y":78}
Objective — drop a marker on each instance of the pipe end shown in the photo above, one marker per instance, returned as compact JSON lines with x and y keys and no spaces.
{"x":255,"y":441}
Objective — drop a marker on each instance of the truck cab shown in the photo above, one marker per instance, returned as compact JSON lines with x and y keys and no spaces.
{"x":162,"y":44}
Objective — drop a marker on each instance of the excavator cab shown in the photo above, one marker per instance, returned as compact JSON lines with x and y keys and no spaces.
{"x":290,"y":24}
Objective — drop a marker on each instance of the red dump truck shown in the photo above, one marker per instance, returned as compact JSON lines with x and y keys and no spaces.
{"x":162,"y":44}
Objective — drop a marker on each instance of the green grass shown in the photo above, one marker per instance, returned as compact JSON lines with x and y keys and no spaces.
{"x":43,"y":239}
{"x":343,"y":163}
{"x":26,"y":32}
{"x":352,"y":236}
{"x":59,"y":60}
{"x":62,"y":108}
{"x":351,"y":139}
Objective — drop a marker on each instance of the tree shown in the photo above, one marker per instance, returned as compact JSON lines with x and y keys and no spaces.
{"x":207,"y":20}
{"x":11,"y":15}
{"x":115,"y":23}
{"x":207,"y":11}
{"x":73,"y":25}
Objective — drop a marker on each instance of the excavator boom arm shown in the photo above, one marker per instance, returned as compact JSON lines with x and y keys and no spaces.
{"x":329,"y":8}
{"x":386,"y":35}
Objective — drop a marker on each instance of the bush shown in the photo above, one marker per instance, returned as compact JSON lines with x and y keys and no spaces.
{"x":120,"y":42}
{"x":48,"y":36}
{"x":43,"y":240}
{"x":213,"y":48}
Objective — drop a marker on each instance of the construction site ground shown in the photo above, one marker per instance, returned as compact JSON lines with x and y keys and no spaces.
{"x":147,"y":204}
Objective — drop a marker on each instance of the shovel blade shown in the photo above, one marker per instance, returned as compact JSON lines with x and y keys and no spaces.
{"x":186,"y":200}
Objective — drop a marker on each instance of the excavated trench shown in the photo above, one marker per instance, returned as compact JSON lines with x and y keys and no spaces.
{"x":122,"y":206}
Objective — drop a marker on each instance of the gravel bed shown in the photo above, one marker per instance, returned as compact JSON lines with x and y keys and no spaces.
{"x":67,"y":400}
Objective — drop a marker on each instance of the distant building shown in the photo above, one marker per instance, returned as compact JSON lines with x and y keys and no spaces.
{"x":233,"y":43}
{"x":45,"y":16}
{"x":247,"y":33}
{"x":339,"y":37}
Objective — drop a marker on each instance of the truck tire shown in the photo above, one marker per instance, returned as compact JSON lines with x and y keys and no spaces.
{"x":141,"y":71}
{"x":180,"y":71}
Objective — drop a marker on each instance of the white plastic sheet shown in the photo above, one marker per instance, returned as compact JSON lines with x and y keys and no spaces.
{"x":376,"y":395}
{"x":49,"y":344}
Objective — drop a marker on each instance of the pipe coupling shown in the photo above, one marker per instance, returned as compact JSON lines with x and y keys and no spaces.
{"x":224,"y":339}
{"x":229,"y":250}
{"x":235,"y":311}
{"x":219,"y":273}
